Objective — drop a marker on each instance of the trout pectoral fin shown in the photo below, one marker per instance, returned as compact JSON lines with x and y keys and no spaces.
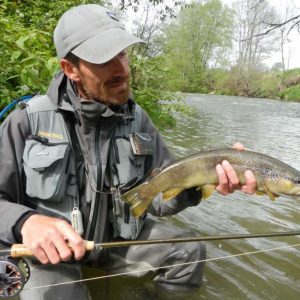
{"x":171,"y":193}
{"x":267,"y":191}
{"x":272,"y":196}
{"x":207,"y":190}
{"x":260,"y":193}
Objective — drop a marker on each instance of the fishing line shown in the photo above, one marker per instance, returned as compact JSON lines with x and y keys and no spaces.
{"x":163,"y":267}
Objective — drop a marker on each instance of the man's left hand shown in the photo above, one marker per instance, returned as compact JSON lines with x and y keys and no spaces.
{"x":228,"y":179}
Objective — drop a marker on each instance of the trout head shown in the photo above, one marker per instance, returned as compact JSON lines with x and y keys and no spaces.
{"x":284,"y":186}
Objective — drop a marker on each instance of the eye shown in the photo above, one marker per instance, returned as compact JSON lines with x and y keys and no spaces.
{"x":122,"y":53}
{"x":296,"y":180}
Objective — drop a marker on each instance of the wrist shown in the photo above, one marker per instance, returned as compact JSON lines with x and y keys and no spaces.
{"x":17,"y":229}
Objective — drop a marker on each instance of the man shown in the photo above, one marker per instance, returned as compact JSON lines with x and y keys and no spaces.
{"x":65,"y":159}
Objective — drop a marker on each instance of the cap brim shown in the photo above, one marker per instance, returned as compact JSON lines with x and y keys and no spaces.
{"x":105,"y":45}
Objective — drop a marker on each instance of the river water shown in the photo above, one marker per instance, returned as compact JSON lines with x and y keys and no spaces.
{"x":268,"y":126}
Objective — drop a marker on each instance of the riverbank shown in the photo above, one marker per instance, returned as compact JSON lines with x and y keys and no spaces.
{"x":269,"y":84}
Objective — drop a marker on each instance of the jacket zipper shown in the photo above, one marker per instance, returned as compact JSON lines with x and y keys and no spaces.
{"x":99,"y":180}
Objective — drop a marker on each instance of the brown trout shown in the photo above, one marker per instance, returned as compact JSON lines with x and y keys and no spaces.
{"x":274,"y":178}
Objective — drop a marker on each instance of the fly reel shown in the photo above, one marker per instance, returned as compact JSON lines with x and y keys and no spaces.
{"x":14,"y":273}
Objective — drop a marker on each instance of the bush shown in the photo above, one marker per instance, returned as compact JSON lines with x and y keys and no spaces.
{"x":291,"y":93}
{"x":27,"y":63}
{"x":28,"y":58}
{"x":150,"y":90}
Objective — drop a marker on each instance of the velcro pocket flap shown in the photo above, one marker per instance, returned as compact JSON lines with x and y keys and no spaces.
{"x":40,"y":156}
{"x":46,"y":169}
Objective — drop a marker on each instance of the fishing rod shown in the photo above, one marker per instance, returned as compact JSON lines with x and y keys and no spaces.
{"x":15,"y":272}
{"x":19,"y":250}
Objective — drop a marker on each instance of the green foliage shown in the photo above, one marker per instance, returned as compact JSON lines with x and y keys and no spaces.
{"x":220,"y":82}
{"x":193,"y":39}
{"x":149,"y":89}
{"x":289,"y":79}
{"x":26,"y":64}
{"x":265,"y":85}
{"x":27,"y":54}
{"x":291,"y":93}
{"x":269,"y":84}
{"x":290,"y":73}
{"x":24,"y":59}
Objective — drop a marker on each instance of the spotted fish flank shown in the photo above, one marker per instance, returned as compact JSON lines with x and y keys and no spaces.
{"x":274,"y":177}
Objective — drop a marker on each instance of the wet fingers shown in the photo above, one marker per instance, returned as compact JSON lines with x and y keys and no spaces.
{"x":223,"y":186}
{"x":228,"y":179}
{"x":239,"y":146}
{"x":233,"y":179}
{"x":250,"y":186}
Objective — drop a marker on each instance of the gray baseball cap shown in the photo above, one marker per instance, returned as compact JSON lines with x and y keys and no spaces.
{"x":91,"y":32}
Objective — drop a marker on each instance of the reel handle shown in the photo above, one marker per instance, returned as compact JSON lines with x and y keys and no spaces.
{"x":19,"y":250}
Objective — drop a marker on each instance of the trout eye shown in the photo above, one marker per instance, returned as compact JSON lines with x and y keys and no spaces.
{"x":296,"y":180}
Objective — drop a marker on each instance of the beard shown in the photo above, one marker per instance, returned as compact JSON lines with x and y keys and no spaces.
{"x":109,"y":94}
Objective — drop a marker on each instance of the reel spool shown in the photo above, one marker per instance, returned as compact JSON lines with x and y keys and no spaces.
{"x":14,"y":273}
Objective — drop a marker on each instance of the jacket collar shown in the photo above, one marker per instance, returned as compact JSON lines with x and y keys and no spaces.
{"x":63,"y":93}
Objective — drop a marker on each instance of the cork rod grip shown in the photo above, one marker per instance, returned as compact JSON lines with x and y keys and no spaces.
{"x":19,"y":250}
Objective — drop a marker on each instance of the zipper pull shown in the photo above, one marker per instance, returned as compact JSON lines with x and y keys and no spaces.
{"x":116,"y":195}
{"x":76,"y":220}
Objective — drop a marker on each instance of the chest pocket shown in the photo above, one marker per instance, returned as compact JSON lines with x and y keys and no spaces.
{"x":128,"y":159}
{"x":46,"y":166}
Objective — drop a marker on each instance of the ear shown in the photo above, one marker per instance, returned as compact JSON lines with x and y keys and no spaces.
{"x":70,"y":70}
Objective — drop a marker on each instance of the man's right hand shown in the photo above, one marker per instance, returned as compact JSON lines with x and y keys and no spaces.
{"x":49,"y":238}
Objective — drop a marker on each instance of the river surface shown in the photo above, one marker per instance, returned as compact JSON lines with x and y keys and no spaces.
{"x":268,"y":126}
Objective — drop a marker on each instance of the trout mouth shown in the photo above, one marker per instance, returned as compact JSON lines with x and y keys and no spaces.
{"x":294,"y":192}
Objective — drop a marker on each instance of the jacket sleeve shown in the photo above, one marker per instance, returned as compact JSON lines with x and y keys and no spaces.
{"x":161,"y":158}
{"x":13,"y":133}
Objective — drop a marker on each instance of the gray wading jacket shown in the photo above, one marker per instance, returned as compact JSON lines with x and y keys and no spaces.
{"x":91,"y":128}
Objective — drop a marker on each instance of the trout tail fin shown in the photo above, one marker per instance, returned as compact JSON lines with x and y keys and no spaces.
{"x":137,"y":200}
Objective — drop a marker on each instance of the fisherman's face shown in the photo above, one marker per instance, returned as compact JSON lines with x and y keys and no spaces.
{"x":107,"y":83}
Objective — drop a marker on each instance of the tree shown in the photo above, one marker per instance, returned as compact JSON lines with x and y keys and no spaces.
{"x":252,"y":49}
{"x":284,"y":37}
{"x":136,"y":4}
{"x":148,"y":70}
{"x":277,"y":67}
{"x":292,"y":23}
{"x":192,"y":40}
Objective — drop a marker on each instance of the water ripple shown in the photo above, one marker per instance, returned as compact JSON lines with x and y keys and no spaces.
{"x":268,"y":126}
